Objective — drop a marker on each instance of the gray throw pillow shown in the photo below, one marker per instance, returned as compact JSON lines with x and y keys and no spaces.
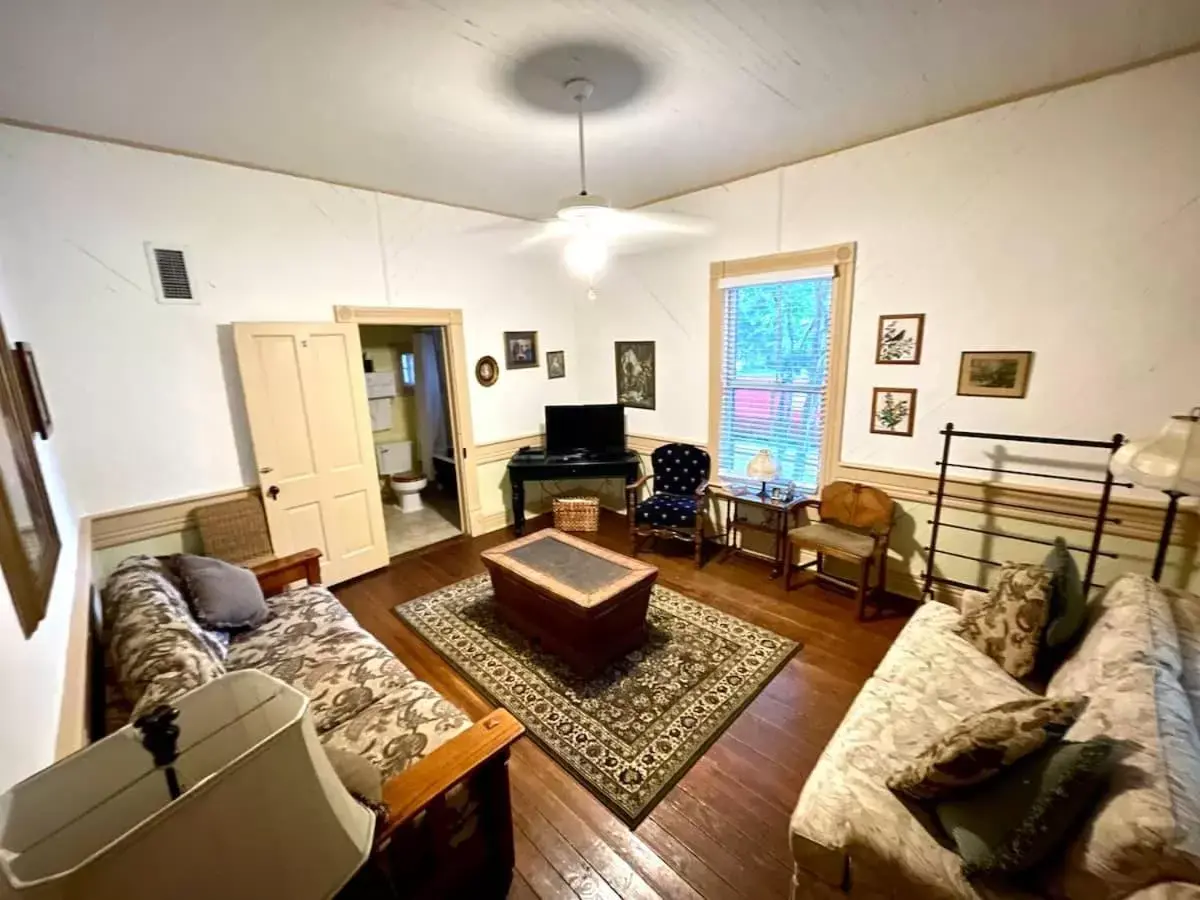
{"x":1068,"y":602}
{"x":222,"y":595}
{"x":1019,"y":818}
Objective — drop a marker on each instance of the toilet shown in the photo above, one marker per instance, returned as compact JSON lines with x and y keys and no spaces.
{"x":396,"y":465}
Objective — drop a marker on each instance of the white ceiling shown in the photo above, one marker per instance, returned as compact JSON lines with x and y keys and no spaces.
{"x":410,"y":96}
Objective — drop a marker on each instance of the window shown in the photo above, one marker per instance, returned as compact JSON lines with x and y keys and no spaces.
{"x":408,"y":369}
{"x":777,"y":360}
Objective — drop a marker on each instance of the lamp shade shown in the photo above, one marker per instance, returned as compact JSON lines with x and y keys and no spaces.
{"x":761,"y":467}
{"x":1169,"y":461}
{"x":261,"y":814}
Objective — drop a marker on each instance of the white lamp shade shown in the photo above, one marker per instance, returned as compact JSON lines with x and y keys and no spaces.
{"x":761,"y":467}
{"x":1169,"y":461}
{"x":262,"y":812}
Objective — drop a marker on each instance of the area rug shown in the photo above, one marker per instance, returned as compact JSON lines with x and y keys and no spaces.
{"x":632,"y":731}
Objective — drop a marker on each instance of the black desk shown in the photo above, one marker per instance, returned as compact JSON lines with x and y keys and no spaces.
{"x":525,"y":467}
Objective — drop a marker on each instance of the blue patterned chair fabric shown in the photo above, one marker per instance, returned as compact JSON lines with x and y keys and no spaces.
{"x":680,"y":474}
{"x":679,"y":471}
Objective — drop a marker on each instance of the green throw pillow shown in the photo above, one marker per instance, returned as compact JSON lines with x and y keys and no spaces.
{"x":1021,"y":817}
{"x":1068,"y":602}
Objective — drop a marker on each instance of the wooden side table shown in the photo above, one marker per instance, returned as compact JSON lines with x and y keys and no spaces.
{"x":781,"y":516}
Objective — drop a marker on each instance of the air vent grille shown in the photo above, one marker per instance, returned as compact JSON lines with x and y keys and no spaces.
{"x":172,"y":272}
{"x":169,"y":271}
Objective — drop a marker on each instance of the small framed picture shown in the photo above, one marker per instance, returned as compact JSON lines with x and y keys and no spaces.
{"x":556,"y":364}
{"x":994,"y":373}
{"x":520,"y":350}
{"x":893,"y":411}
{"x":900,"y":337}
{"x":487,"y":371}
{"x":783,"y":492}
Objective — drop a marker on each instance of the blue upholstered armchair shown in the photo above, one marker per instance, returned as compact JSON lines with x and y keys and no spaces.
{"x":676,"y":507}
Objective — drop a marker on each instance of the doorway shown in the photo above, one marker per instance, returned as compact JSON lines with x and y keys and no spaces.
{"x":408,"y":396}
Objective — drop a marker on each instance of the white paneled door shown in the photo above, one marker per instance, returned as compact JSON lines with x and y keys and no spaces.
{"x":307,"y":404}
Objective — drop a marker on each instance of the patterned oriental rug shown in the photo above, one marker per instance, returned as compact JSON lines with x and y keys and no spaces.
{"x":631,"y":732}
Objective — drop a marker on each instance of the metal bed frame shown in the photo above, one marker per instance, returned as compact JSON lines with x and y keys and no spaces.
{"x":1098,"y":521}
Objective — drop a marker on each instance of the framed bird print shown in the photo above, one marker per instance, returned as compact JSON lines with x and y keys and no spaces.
{"x":900,"y":338}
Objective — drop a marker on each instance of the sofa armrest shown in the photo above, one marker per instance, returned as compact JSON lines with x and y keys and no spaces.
{"x":276,"y":574}
{"x":406,"y":794}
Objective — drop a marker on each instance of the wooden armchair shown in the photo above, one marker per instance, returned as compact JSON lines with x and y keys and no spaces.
{"x":420,"y":850}
{"x":675,"y":509}
{"x":855,"y":524}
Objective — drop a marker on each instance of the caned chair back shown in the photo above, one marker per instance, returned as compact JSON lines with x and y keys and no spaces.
{"x":857,"y":506}
{"x":679,"y":468}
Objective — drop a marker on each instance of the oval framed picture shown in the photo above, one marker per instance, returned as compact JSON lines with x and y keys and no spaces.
{"x":487,"y":371}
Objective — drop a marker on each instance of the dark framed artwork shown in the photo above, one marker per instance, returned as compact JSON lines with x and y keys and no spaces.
{"x":520,"y":350}
{"x":556,"y":364}
{"x":994,"y":373}
{"x":893,"y":411}
{"x":900,"y":338}
{"x":487,"y":370}
{"x":29,"y":541}
{"x":31,"y":386}
{"x":635,"y":373}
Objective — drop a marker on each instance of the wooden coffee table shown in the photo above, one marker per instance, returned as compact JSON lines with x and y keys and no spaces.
{"x":581,"y":602}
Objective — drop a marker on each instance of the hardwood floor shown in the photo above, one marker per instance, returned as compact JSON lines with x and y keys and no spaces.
{"x":722,"y":831}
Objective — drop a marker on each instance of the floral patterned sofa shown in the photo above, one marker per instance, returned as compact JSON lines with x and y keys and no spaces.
{"x":1138,"y":662}
{"x":362,"y":700}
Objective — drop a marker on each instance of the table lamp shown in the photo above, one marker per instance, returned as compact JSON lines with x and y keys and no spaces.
{"x":762,"y":468}
{"x":1168,"y":462}
{"x":260,"y":813}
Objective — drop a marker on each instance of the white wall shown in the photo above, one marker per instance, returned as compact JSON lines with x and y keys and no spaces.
{"x":1067,"y":224}
{"x":146,"y":396}
{"x":31,"y":670}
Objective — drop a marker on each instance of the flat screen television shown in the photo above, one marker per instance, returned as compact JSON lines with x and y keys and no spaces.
{"x":596,"y":429}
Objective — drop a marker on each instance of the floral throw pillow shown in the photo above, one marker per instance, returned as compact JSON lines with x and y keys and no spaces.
{"x":1008,"y":625}
{"x":982,"y":745}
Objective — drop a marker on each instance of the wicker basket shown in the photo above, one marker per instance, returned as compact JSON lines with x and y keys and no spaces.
{"x":577,"y":513}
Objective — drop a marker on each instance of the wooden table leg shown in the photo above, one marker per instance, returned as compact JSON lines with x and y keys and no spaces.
{"x":779,"y":520}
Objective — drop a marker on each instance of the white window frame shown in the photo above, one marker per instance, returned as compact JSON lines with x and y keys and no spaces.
{"x":840,"y":258}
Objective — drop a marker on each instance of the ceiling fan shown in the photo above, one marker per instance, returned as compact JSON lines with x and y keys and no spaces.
{"x":590,"y":228}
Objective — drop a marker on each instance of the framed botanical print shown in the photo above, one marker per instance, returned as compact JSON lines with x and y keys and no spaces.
{"x":520,"y":350}
{"x":893,"y":411}
{"x":900,"y":338}
{"x":29,"y":541}
{"x":994,"y":373}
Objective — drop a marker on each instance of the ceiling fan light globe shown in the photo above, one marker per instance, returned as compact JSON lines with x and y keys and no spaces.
{"x":585,"y":256}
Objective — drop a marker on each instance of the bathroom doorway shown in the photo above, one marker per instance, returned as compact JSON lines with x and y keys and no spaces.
{"x":410,"y":404}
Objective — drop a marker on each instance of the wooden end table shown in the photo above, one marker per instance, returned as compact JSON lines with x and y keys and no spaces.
{"x":583,"y":603}
{"x":781,"y":516}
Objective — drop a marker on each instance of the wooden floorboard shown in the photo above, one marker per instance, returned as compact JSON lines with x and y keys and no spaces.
{"x":721,"y":832}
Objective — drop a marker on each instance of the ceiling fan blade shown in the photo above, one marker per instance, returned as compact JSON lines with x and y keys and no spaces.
{"x":521,"y":236}
{"x":650,"y":222}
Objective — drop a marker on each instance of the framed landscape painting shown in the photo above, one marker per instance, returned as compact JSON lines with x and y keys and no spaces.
{"x":893,"y":411}
{"x":994,"y":373}
{"x":900,"y":338}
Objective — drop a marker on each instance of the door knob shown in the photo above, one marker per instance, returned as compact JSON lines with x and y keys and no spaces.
{"x":273,"y":492}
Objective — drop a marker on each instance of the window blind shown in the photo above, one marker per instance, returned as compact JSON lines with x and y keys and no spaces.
{"x":774,"y":374}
